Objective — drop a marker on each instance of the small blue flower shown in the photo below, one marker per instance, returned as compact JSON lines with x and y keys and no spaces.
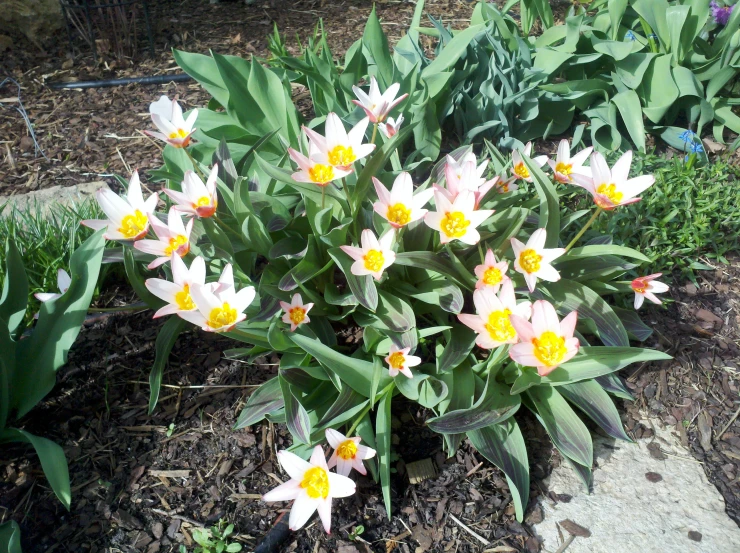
{"x":687,"y":136}
{"x":696,"y":147}
{"x":629,"y":35}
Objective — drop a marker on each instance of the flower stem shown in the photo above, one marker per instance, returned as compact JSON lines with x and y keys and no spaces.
{"x":585,"y":228}
{"x":366,"y":410}
{"x":482,"y":255}
{"x":346,"y":193}
{"x":195,"y":164}
{"x":226,"y":227}
{"x":375,"y":131}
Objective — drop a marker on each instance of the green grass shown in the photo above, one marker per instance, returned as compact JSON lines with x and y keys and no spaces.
{"x":45,"y":240}
{"x":688,"y":219}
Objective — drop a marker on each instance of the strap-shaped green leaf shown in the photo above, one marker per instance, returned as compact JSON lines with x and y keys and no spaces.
{"x":10,"y":537}
{"x":166,"y":339}
{"x":267,"y":399}
{"x":296,"y":417}
{"x":458,"y":347}
{"x":549,"y":204}
{"x":362,"y":287}
{"x":383,"y":445}
{"x":376,"y":45}
{"x":591,"y":398}
{"x":14,"y":298}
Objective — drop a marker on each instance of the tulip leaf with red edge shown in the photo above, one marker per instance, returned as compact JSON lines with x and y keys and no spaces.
{"x":266,"y":399}
{"x":166,"y":339}
{"x":591,"y":398}
{"x":362,"y":287}
{"x":566,"y":430}
{"x":503,"y":445}
{"x":495,"y":404}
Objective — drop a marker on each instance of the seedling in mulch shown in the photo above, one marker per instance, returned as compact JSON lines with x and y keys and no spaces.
{"x":214,"y":540}
{"x":356,"y":532}
{"x":170,"y":429}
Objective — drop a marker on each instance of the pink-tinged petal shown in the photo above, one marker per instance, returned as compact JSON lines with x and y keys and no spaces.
{"x":506,"y":296}
{"x":335,"y":132}
{"x":318,"y":457}
{"x":359,"y":466}
{"x":584,"y":181}
{"x":364,"y":452}
{"x":358,"y":269}
{"x":600,"y":170}
{"x":403,"y":189}
{"x":551,"y":254}
{"x":548,"y":272}
{"x":368,"y":112}
{"x":324,"y":509}
{"x":633,"y":187}
{"x":344,"y":466}
{"x":340,"y":486}
{"x":154,"y":247}
{"x":433,"y":219}
{"x":302,"y":161}
{"x":158,"y":262}
{"x":544,"y":371}
{"x":157,"y":135}
{"x":284,"y":492}
{"x":621,"y":169}
{"x":383,"y":195}
{"x":531,"y":280}
{"x":244,"y":298}
{"x":292,"y":464}
{"x":518,"y":247}
{"x":362,"y":96}
{"x":472,"y":321}
{"x":95,"y":224}
{"x":170,"y":309}
{"x":369,"y":241}
{"x":639,"y":299}
{"x":544,"y":318}
{"x":523,"y":353}
{"x":353,"y":251}
{"x":478,"y":217}
{"x":46,"y":296}
{"x":655,"y":287}
{"x":471,"y":237}
{"x":357,"y":133}
{"x":113,"y":205}
{"x":64,"y":280}
{"x":405,"y":371}
{"x":540,"y":161}
{"x":163,"y":289}
{"x":568,"y":324}
{"x":303,"y":508}
{"x":316,"y":138}
{"x":412,"y":361}
{"x":164,"y":125}
{"x":181,"y":200}
{"x":537,"y":240}
{"x":523,"y":328}
{"x":334,"y":438}
{"x":332,"y":462}
{"x":198,"y":271}
{"x":652,"y":297}
{"x":524,"y":310}
{"x":386,"y":243}
{"x":227,"y":276}
{"x":190,"y":121}
{"x":194,"y":317}
{"x":581,"y":157}
{"x":486,"y":302}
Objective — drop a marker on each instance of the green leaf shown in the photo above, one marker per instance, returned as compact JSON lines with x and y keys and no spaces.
{"x":452,"y":52}
{"x":58,"y":325}
{"x":14,"y":299}
{"x":591,"y":398}
{"x":357,"y":373}
{"x":459,"y":346}
{"x":628,"y":104}
{"x":362,"y":287}
{"x":601,"y":250}
{"x":395,"y":313}
{"x":570,"y":296}
{"x":52,"y":460}
{"x":425,"y":389}
{"x":383,"y":443}
{"x":266,"y":399}
{"x":296,"y":417}
{"x":438,"y":263}
{"x":166,"y":339}
{"x":347,"y":405}
{"x":10,"y":537}
{"x":526,"y":380}
{"x":376,"y":44}
{"x":495,"y":404}
{"x":503,"y":445}
{"x":136,"y":280}
{"x":566,"y":430}
{"x":549,"y":204}
{"x":594,"y":361}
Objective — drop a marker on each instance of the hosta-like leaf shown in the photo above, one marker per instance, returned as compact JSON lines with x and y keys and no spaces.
{"x":503,"y":445}
{"x":591,"y":398}
{"x":266,"y":399}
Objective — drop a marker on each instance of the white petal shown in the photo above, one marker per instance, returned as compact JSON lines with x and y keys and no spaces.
{"x":340,"y":486}
{"x":303,"y":508}
{"x":284,"y":492}
{"x":292,"y":464}
{"x":64,"y":280}
{"x":334,"y":438}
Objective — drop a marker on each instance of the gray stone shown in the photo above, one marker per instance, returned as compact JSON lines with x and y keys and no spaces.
{"x":630,"y":511}
{"x":46,"y":198}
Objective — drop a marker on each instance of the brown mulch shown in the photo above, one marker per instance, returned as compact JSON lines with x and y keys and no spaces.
{"x":91,"y":134}
{"x":697,"y":393}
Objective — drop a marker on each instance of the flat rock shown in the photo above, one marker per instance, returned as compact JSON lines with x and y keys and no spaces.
{"x":48,"y":197}
{"x":673,"y":509}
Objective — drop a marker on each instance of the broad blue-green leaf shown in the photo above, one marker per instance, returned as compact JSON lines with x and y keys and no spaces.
{"x":549,"y":204}
{"x":266,"y":399}
{"x":362,"y":287}
{"x":629,"y":107}
{"x":383,"y":444}
{"x":427,"y":390}
{"x":10,"y":537}
{"x":296,"y":417}
{"x":394,"y":312}
{"x":376,"y":43}
{"x":591,"y":398}
{"x":14,"y":298}
{"x":459,"y":346}
{"x":347,"y":404}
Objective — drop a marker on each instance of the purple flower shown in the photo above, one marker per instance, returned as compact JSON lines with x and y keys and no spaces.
{"x":721,"y":14}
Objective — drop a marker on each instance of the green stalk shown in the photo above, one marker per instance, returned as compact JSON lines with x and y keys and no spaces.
{"x":366,"y":410}
{"x":195,"y":164}
{"x":346,"y":194}
{"x":585,"y":228}
{"x":375,"y":131}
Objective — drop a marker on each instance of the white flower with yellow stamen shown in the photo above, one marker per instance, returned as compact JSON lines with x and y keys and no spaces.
{"x":533,"y":260}
{"x":464,"y":174}
{"x":128,"y":218}
{"x":377,"y":106}
{"x":177,"y":293}
{"x":401,"y":206}
{"x":457,"y":220}
{"x":167,"y":117}
{"x":491,"y":322}
{"x":519,"y":169}
{"x":374,"y":256}
{"x":390,"y":127}
{"x":399,"y":361}
{"x":312,"y":171}
{"x":220,"y":307}
{"x":546,"y":342}
{"x":348,"y":453}
{"x":63,"y":282}
{"x":491,"y":273}
{"x":564,"y":166}
{"x":339,"y":148}
{"x":296,"y":312}
{"x":647,"y":287}
{"x":196,"y":198}
{"x":311,"y":486}
{"x":610,"y":189}
{"x":507,"y":185}
{"x":174,"y":237}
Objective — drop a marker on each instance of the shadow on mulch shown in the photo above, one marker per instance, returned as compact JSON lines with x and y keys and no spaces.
{"x":141,"y":485}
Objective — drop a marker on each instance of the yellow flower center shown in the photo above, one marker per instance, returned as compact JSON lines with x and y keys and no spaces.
{"x":397,"y":360}
{"x":347,"y":450}
{"x":399,"y":214}
{"x":183,"y":299}
{"x":492,"y":276}
{"x":297,"y":314}
{"x":321,"y":174}
{"x":179,"y":133}
{"x":203,"y":201}
{"x":374,"y":260}
{"x":530,"y":261}
{"x":499,"y":326}
{"x":639,"y":285}
{"x":339,"y":156}
{"x":564,"y":168}
{"x":454,"y":224}
{"x":133,"y":225}
{"x":224,"y":316}
{"x":316,"y":483}
{"x":610,"y":191}
{"x":176,"y":243}
{"x":504,"y":188}
{"x":521,"y":171}
{"x":549,"y":348}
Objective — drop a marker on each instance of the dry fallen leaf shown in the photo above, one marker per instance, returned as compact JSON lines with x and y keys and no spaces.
{"x":575,"y":529}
